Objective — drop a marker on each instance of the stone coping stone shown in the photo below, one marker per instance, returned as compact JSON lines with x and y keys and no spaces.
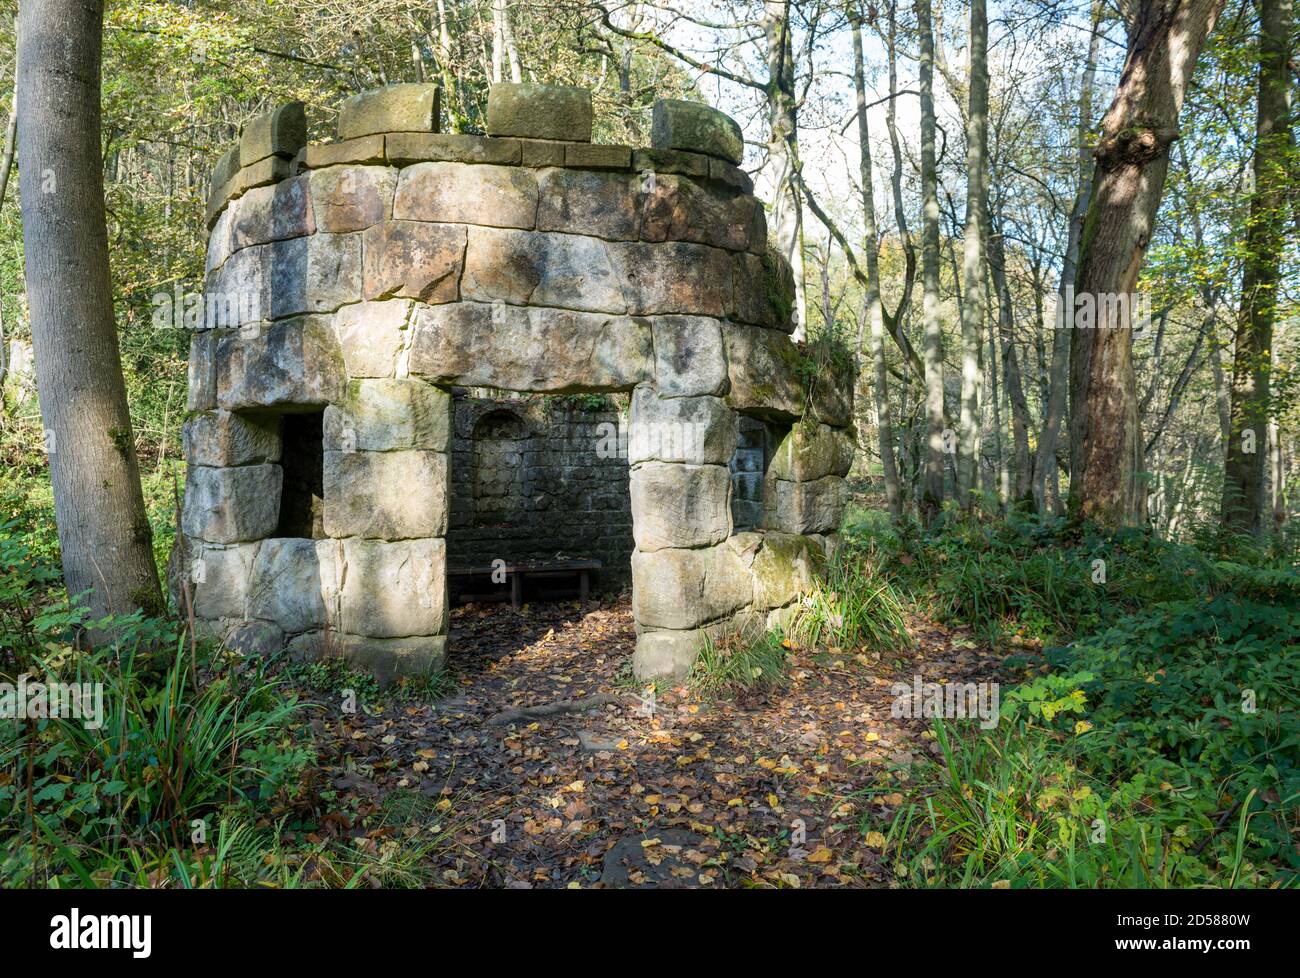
{"x":451,"y":147}
{"x":539,"y":112}
{"x":280,"y":132}
{"x":697,"y":128}
{"x":406,"y":107}
{"x":363,"y":149}
{"x":273,"y":169}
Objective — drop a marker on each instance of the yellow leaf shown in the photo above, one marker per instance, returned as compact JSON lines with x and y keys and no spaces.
{"x":876,"y":840}
{"x":822,"y":855}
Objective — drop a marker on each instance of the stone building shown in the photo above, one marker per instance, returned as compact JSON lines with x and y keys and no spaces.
{"x":352,"y":286}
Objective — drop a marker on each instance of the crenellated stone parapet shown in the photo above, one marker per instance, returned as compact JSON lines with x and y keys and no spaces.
{"x":356,"y":282}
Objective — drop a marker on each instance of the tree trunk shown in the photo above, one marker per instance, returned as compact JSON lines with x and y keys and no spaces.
{"x":1244,"y":505}
{"x":1045,"y":465}
{"x":104,"y":533}
{"x":932,"y":494}
{"x":875,"y":312}
{"x":1132,"y":162}
{"x":787,"y":214}
{"x":973,"y":257}
{"x":1019,"y":489}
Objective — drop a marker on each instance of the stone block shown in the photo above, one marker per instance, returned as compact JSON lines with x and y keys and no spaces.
{"x":293,"y":363}
{"x":293,"y":583}
{"x":408,"y":107}
{"x":683,"y":589}
{"x":541,"y":152}
{"x":394,"y":590}
{"x":657,"y":161}
{"x":694,"y":430}
{"x":804,"y":507}
{"x":604,"y":205}
{"x":689,"y":357}
{"x":372,"y":336}
{"x":391,"y":659}
{"x":674,"y":277}
{"x":202,"y":372}
{"x":224,"y":170}
{"x":680,"y":505}
{"x":467,"y":193}
{"x":219,"y":579}
{"x":695,"y":128}
{"x":812,"y":451}
{"x":589,"y":156}
{"x":763,"y":366}
{"x":666,"y":655}
{"x":318,"y":273}
{"x":568,"y":271}
{"x":389,"y":415}
{"x":365,"y":149}
{"x":352,"y":198}
{"x":280,"y":132}
{"x":413,"y":259}
{"x":678,"y":208}
{"x":539,"y":112}
{"x":270,"y":213}
{"x":765,"y":291}
{"x":785,"y":567}
{"x":220,"y":439}
{"x":238,"y":293}
{"x":411,"y":147}
{"x":231,"y":505}
{"x":397,"y":495}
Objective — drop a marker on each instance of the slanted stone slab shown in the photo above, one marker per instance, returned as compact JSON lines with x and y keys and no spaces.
{"x":695,"y":430}
{"x":539,"y":112}
{"x":696,"y":128}
{"x":294,"y":363}
{"x":388,"y":415}
{"x":394,"y":590}
{"x":365,"y":149}
{"x":680,"y":505}
{"x":280,"y":132}
{"x":764,"y":368}
{"x":467,"y":193}
{"x":804,"y":507}
{"x":666,"y":654}
{"x":674,"y":277}
{"x":568,"y":271}
{"x":398,"y":495}
{"x":352,"y":198}
{"x":220,"y":438}
{"x":413,"y":259}
{"x":689,"y":356}
{"x":293,"y":583}
{"x":317,"y":273}
{"x":372,"y":336}
{"x":412,"y":147}
{"x":604,"y":205}
{"x":409,"y":107}
{"x":683,"y":589}
{"x":812,"y":451}
{"x":528,"y":349}
{"x":231,"y":505}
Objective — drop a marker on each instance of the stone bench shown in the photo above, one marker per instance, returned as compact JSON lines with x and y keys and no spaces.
{"x":516,"y":572}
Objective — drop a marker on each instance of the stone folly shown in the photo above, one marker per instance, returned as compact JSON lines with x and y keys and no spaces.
{"x":398,"y":263}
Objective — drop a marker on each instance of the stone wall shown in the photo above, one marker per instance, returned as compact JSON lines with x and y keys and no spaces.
{"x":365,"y":278}
{"x":529,"y":482}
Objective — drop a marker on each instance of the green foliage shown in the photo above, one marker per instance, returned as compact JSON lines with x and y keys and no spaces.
{"x":854,"y":605}
{"x":739,"y":664}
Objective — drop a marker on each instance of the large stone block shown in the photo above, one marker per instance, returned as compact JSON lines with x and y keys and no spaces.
{"x":539,"y":112}
{"x":352,"y":198}
{"x":231,"y":505}
{"x":372,"y":336}
{"x":394,"y":590}
{"x":220,"y":243}
{"x":279,"y":132}
{"x":202,"y":372}
{"x":812,"y":451}
{"x":804,"y":507}
{"x":389,"y":415}
{"x":413,"y":259}
{"x":678,"y":208}
{"x":238,"y":294}
{"x":674,"y":277}
{"x":680,"y":505}
{"x":219,"y":578}
{"x":398,"y":495}
{"x":528,"y":349}
{"x":391,"y":659}
{"x":694,"y":430}
{"x":763,"y":366}
{"x":314,"y":274}
{"x":293,"y":583}
{"x":659,"y":161}
{"x":830,"y":392}
{"x":457,"y":147}
{"x":666,"y":655}
{"x":467,"y":193}
{"x":689,"y":356}
{"x":294,"y":363}
{"x":695,"y":128}
{"x":765,"y":291}
{"x":785,"y":567}
{"x":409,"y":107}
{"x":365,"y":149}
{"x":220,"y":438}
{"x":224,"y":170}
{"x":568,"y":271}
{"x":271,"y":213}
{"x":683,"y":589}
{"x":588,"y":202}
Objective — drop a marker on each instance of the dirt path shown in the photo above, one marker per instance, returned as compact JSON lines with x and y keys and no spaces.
{"x":690,"y":794}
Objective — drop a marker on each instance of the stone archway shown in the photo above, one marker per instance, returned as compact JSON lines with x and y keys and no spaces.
{"x":366,"y":277}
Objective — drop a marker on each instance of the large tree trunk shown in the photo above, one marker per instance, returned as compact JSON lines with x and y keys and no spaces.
{"x":1018,"y":491}
{"x":973,"y":258}
{"x":1132,"y":161}
{"x":932,"y":493}
{"x":871,"y":258}
{"x":787,"y":212}
{"x":1045,"y":465}
{"x":1244,"y":504}
{"x":104,"y":533}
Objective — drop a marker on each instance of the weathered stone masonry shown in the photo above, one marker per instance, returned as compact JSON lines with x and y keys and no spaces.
{"x":398,"y":262}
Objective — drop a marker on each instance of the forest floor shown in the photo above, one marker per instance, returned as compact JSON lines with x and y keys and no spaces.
{"x":794,"y":787}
